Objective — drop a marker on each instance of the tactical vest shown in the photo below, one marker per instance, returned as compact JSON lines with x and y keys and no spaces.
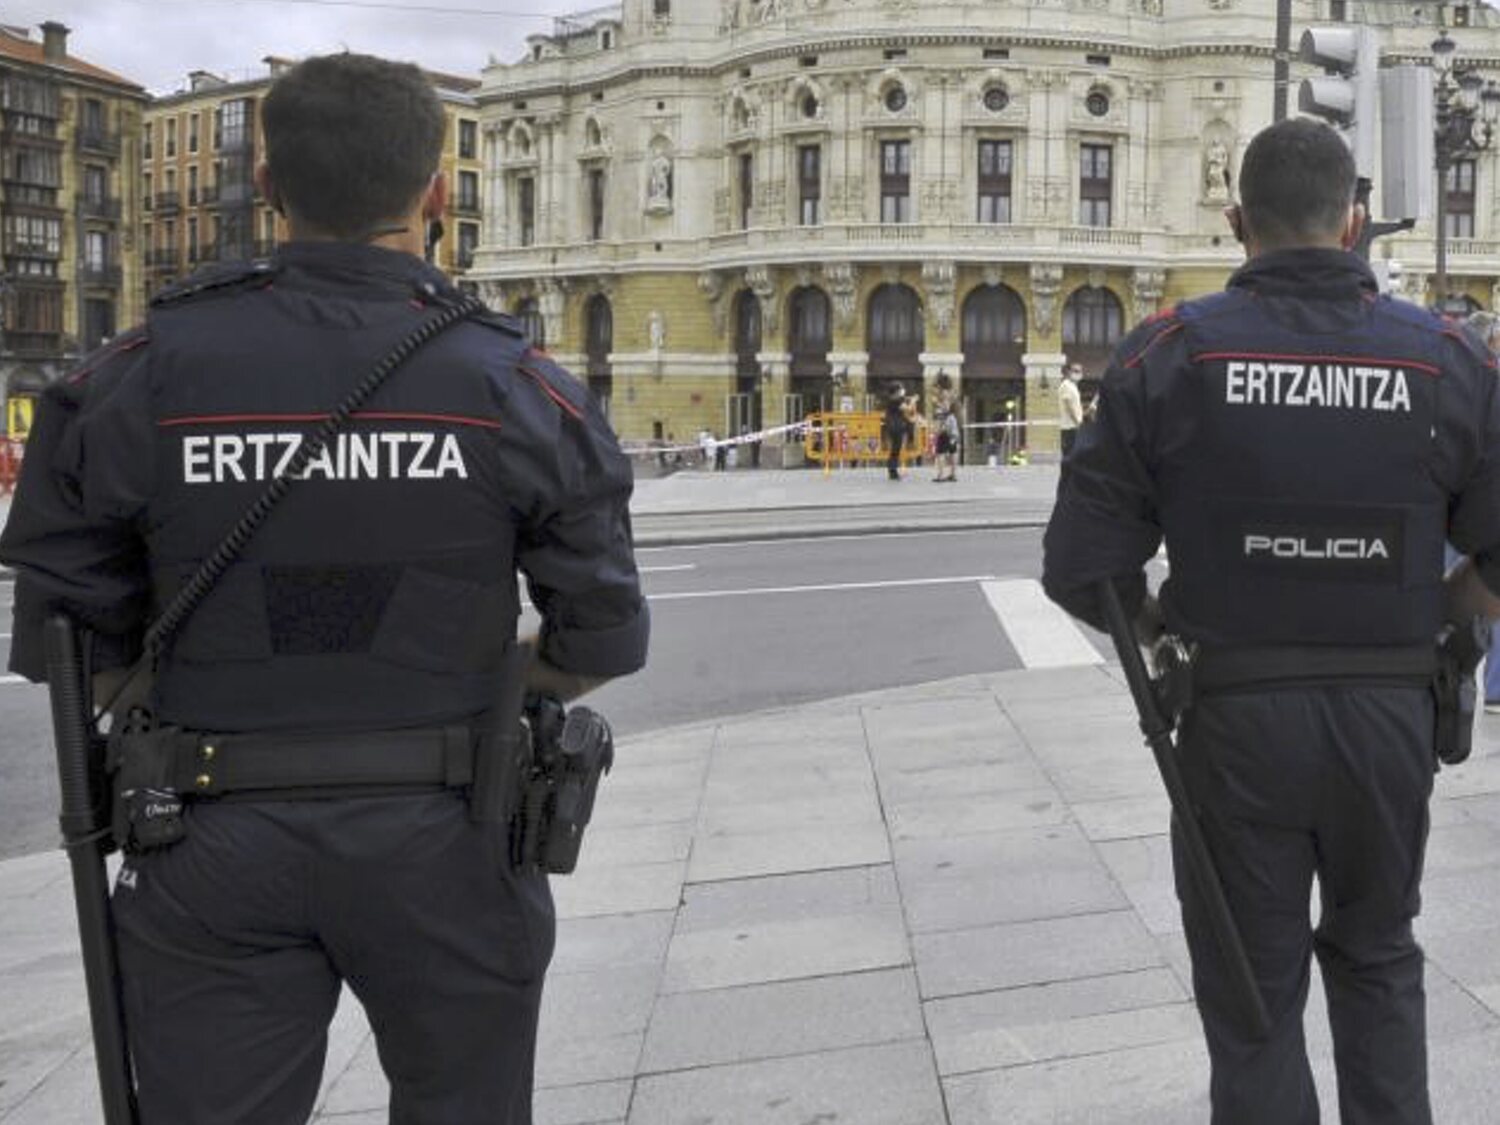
{"x":1295,"y":477}
{"x":381,"y":592}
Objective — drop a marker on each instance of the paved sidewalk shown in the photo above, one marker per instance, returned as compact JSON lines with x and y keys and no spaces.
{"x":695,"y":505}
{"x":943,"y":904}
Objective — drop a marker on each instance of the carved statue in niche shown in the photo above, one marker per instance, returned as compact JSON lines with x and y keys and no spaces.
{"x":656,"y":330}
{"x":1216,"y":171}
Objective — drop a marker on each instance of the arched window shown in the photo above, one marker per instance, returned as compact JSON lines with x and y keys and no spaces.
{"x":894,"y":337}
{"x":1092,"y":324}
{"x":994,"y":330}
{"x":530,"y":317}
{"x":747,"y":333}
{"x":993,"y":326}
{"x":809,"y":338}
{"x":599,"y":341}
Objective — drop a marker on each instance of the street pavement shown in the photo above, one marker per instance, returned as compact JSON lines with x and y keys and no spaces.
{"x":943,"y":903}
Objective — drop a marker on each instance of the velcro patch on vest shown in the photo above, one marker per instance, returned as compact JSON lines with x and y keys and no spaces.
{"x":1366,"y":547}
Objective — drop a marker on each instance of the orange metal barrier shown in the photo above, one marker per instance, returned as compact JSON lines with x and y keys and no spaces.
{"x":835,"y":440}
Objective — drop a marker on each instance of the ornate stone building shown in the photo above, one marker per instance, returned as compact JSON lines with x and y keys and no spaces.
{"x":729,"y":212}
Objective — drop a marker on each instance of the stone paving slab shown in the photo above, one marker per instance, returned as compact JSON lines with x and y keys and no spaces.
{"x":950,"y":905}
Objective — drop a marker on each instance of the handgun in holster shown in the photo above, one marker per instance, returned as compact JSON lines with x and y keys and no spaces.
{"x":1460,"y":649}
{"x":1172,"y":679}
{"x":571,"y":751}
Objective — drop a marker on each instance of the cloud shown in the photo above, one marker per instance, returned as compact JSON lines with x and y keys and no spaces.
{"x":157,"y":42}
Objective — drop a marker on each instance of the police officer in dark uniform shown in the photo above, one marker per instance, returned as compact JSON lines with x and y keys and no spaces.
{"x":1304,"y":446}
{"x":363,"y":625}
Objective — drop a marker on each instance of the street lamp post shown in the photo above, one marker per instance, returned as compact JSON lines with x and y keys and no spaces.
{"x":1466,"y":108}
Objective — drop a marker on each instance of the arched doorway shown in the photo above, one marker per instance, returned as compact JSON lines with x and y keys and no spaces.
{"x":894,"y":338}
{"x":994,"y":339}
{"x":599,"y":341}
{"x":809,"y":338}
{"x":1092,"y":324}
{"x":529,"y":313}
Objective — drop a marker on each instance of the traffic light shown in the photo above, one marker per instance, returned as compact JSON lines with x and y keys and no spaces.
{"x":1346,"y":95}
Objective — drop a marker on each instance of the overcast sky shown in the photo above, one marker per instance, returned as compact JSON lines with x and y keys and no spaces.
{"x":156,"y":42}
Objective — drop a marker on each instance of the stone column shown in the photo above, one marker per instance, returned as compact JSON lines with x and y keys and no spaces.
{"x":1043,"y":372}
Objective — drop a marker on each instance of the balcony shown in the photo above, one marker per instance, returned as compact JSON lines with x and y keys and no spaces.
{"x":208,"y":194}
{"x":12,"y":132}
{"x":93,"y":273}
{"x":18,"y":193}
{"x":107,"y":209}
{"x":466,"y":207}
{"x":21,"y":342}
{"x":167,"y":201}
{"x":161,"y":259}
{"x":97,"y":140}
{"x":265,"y":247}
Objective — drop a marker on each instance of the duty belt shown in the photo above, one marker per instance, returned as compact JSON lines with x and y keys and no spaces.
{"x":1226,"y":669}
{"x":215,"y":764}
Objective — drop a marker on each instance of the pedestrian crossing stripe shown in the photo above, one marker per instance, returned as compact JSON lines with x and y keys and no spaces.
{"x":1043,"y":635}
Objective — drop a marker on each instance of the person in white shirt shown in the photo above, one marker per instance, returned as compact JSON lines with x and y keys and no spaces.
{"x":1069,"y":407}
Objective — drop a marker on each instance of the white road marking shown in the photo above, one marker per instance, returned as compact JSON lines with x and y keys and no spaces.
{"x":663,"y":569}
{"x":799,"y":540}
{"x":9,"y":679}
{"x":831,"y":587}
{"x":1042,"y":634}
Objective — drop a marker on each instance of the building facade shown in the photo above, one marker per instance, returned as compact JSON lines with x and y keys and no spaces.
{"x":69,"y":206}
{"x":726,"y":213}
{"x":199,"y":151}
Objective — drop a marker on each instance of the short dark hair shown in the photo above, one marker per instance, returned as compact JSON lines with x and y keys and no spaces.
{"x":351,"y":140}
{"x":1296,"y":183}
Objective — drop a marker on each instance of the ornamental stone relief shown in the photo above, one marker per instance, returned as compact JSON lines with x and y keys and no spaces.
{"x":1046,"y":280}
{"x":938,"y":278}
{"x":1146,"y":288}
{"x":758,"y":280}
{"x":843,"y":285}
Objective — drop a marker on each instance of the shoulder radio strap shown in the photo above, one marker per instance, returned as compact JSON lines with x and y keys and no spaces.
{"x":201,"y":584}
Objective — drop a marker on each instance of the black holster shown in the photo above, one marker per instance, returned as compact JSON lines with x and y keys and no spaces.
{"x":571,"y":751}
{"x":1461,"y":649}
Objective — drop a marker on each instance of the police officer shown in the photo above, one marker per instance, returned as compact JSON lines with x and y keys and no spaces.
{"x":356,"y":638}
{"x":1304,"y":446}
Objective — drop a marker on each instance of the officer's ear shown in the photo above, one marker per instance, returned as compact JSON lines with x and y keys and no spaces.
{"x":1353,"y":226}
{"x":435,"y":198}
{"x":1236,"y":219}
{"x":267,"y":188}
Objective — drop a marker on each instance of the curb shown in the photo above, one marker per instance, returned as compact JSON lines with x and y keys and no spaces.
{"x":709,"y":536}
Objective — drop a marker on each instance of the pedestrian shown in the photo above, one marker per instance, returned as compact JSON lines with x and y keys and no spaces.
{"x":1486,"y":325}
{"x":721,"y":452}
{"x":1305,"y":516}
{"x":894,"y":430}
{"x":945,"y":456}
{"x":355,"y":642}
{"x":1069,"y":407}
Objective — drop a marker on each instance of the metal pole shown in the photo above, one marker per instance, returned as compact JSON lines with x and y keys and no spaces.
{"x":1282,"y":73}
{"x":1441,"y":235}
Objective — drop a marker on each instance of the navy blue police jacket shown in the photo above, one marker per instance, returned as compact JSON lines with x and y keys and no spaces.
{"x":1304,"y":445}
{"x":383,"y":590}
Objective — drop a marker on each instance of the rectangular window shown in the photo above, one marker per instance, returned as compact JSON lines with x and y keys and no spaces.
{"x":994,"y":181}
{"x":95,"y":183}
{"x":468,"y":140}
{"x":146,"y":200}
{"x":171,"y":137}
{"x":192,"y":183}
{"x":747,"y":188}
{"x":468,"y":191}
{"x":192,"y":231}
{"x":526,"y":204}
{"x":1095,"y":184}
{"x":146,"y":141}
{"x":98,"y":322}
{"x":95,"y":251}
{"x":193,"y":132}
{"x":232,"y":124}
{"x":596,"y":204}
{"x":661,"y":9}
{"x":809,"y":184}
{"x":895,"y":181}
{"x":468,"y":242}
{"x":1458,"y":188}
{"x":93,"y":116}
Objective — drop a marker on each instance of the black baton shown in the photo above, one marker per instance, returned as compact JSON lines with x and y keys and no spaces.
{"x":80,"y":775}
{"x":1158,"y":732}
